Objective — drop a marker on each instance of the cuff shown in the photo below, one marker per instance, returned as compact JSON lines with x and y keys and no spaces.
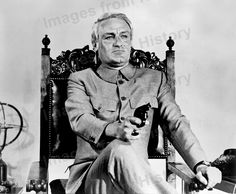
{"x":203,"y":162}
{"x":104,"y":140}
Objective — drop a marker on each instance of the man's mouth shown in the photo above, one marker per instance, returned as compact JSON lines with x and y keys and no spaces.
{"x":118,"y":51}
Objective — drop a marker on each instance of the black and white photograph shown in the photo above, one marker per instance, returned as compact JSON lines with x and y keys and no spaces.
{"x":117,"y":97}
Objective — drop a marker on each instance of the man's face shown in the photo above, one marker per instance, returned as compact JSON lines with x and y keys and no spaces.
{"x":114,"y":42}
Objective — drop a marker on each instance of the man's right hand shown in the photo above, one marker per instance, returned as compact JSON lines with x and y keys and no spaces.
{"x":124,"y":130}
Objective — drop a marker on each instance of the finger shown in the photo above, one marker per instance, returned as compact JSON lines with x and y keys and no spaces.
{"x":210,"y":185}
{"x":210,"y":182}
{"x":219,"y":175}
{"x":129,"y":136}
{"x":129,"y":132}
{"x":130,"y":128}
{"x":201,"y":178}
{"x":134,"y":120}
{"x":214,"y":176}
{"x":126,"y":123}
{"x":129,"y":125}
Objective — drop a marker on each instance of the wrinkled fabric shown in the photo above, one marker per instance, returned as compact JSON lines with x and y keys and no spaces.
{"x":97,"y":98}
{"x":120,"y":170}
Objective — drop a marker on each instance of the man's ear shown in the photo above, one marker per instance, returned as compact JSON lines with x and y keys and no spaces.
{"x":95,"y":46}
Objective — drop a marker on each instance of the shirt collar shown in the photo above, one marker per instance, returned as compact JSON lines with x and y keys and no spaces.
{"x":110,"y":75}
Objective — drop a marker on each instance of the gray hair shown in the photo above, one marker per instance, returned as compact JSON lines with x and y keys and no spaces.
{"x":106,"y":16}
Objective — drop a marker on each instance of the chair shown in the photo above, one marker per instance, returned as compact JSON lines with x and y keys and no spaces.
{"x":55,"y":152}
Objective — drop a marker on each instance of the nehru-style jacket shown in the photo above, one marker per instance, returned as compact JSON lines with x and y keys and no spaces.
{"x":97,"y":98}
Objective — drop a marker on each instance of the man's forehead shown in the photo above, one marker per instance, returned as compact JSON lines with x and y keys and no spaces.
{"x":114,"y":25}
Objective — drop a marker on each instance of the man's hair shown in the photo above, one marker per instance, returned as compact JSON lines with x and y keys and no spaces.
{"x":106,"y":16}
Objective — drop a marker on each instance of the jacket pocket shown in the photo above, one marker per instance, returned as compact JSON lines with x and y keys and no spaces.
{"x":104,"y":104}
{"x":136,"y":102}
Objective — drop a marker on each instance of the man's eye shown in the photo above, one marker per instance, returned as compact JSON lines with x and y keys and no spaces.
{"x":109,"y":37}
{"x":124,"y":36}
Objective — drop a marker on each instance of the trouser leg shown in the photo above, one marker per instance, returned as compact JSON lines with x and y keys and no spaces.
{"x":120,"y":170}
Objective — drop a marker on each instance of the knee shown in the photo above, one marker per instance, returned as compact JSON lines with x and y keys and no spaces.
{"x":122,"y":156}
{"x":121,"y":150}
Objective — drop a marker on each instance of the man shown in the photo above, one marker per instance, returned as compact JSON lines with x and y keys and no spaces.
{"x":110,"y":159}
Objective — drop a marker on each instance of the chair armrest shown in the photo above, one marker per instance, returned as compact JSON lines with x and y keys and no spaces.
{"x":37,"y":178}
{"x":182,"y":171}
{"x":187,"y":176}
{"x":228,"y":184}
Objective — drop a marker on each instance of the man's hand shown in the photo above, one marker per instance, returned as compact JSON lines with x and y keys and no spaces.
{"x":209,"y":176}
{"x":124,"y":130}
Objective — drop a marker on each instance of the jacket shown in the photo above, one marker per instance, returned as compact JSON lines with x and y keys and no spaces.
{"x":99,"y":97}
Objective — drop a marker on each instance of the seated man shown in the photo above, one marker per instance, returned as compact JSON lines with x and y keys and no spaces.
{"x":111,"y":158}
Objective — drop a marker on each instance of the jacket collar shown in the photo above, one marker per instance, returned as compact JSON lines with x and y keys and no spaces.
{"x":111,"y":75}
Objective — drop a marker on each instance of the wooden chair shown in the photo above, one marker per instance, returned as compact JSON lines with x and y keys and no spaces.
{"x":55,"y":151}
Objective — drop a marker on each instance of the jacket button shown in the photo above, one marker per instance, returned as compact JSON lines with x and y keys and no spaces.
{"x":123,"y":98}
{"x":120,"y":81}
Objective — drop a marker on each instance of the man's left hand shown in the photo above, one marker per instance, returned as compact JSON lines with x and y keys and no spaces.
{"x":209,"y":176}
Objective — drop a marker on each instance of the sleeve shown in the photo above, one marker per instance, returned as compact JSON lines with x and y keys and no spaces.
{"x":177,"y":127}
{"x":80,"y":112}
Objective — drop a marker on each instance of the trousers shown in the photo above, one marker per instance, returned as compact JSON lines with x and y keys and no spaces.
{"x":119,"y":169}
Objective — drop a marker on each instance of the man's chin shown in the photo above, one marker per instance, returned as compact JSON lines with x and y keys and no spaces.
{"x":118,"y":62}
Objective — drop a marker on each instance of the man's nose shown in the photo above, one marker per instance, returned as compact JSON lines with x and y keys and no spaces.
{"x":118,"y":41}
